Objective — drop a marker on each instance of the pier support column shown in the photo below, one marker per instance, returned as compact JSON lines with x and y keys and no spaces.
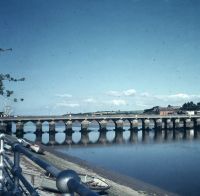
{"x":38,"y":138}
{"x":184,"y":124}
{"x":145,"y":124}
{"x":188,"y":123}
{"x":19,"y":129}
{"x":103,"y":124}
{"x":9,"y":127}
{"x":165,"y":123}
{"x":198,"y":123}
{"x":3,"y":127}
{"x":119,"y":124}
{"x":19,"y":126}
{"x":52,"y":126}
{"x":159,"y":124}
{"x":38,"y":126}
{"x":177,"y":123}
{"x":68,"y":125}
{"x":169,"y":124}
{"x":134,"y":124}
{"x":84,"y":125}
{"x":52,"y":137}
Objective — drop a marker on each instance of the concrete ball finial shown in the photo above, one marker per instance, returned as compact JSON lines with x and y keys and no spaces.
{"x":63,"y":179}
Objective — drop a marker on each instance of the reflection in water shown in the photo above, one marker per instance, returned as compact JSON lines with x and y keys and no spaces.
{"x":104,"y":147}
{"x":107,"y":136}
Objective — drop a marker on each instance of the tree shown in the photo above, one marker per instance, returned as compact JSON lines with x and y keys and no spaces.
{"x":7,"y":77}
{"x":6,"y":92}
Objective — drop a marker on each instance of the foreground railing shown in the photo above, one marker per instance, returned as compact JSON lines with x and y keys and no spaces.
{"x":12,"y":182}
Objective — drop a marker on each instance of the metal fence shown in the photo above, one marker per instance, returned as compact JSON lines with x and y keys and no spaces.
{"x":12,"y":181}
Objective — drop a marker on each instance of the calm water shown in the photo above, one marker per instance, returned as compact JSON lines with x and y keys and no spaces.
{"x":171,"y":166}
{"x":170,"y":163}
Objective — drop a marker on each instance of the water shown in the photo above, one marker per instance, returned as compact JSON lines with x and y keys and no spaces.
{"x":168,"y":160}
{"x":171,"y":166}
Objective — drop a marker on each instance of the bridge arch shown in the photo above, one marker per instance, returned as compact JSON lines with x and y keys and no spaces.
{"x":110,"y":124}
{"x":45,"y":126}
{"x":76,"y":125}
{"x":94,"y":125}
{"x":60,"y":126}
{"x":29,"y":126}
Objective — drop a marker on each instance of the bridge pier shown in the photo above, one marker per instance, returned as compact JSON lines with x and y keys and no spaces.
{"x":19,"y":126}
{"x":19,"y":129}
{"x":38,"y":126}
{"x":68,"y":125}
{"x":84,"y":125}
{"x":119,"y":124}
{"x":3,"y":127}
{"x":38,"y":138}
{"x":52,"y":137}
{"x":134,"y":124}
{"x":158,"y":124}
{"x":52,"y":126}
{"x":145,"y":124}
{"x":103,"y":125}
{"x":187,"y":123}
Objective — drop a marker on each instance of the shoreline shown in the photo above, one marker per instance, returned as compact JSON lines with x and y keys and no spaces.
{"x":120,"y":184}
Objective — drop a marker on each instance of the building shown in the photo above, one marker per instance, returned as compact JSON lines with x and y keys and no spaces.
{"x":162,"y":110}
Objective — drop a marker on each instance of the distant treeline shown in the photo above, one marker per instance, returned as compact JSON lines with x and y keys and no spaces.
{"x":190,"y":106}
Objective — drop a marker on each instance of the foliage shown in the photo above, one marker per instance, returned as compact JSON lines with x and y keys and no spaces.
{"x":5,"y":92}
{"x":190,"y":106}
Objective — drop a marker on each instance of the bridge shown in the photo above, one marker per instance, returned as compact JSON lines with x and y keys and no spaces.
{"x":134,"y":121}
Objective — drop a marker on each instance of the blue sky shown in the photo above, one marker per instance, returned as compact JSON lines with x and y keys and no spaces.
{"x":89,"y":55}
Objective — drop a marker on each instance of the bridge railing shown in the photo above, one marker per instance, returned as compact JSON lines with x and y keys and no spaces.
{"x":13,"y":182}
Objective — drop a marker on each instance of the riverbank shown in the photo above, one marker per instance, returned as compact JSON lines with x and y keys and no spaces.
{"x":120,"y":184}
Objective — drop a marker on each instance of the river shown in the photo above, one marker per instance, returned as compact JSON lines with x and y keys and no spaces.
{"x":169,"y":160}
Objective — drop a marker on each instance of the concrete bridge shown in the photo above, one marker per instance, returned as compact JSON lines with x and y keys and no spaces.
{"x":119,"y":121}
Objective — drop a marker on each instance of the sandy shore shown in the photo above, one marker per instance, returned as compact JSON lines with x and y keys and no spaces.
{"x":120,"y":184}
